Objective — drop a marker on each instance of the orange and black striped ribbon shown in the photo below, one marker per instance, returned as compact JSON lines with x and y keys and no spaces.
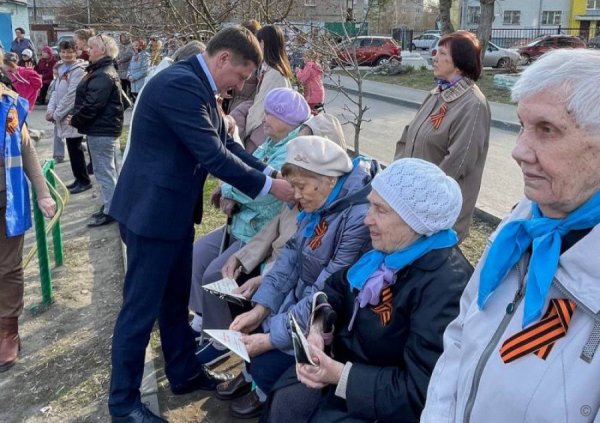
{"x":384,"y":308}
{"x":320,"y":230}
{"x":437,"y":118}
{"x":540,"y":337}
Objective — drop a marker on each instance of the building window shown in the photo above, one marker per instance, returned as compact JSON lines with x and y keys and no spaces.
{"x":593,"y":4}
{"x":512,"y":17}
{"x":473,"y":15}
{"x":551,"y":17}
{"x":310,"y":2}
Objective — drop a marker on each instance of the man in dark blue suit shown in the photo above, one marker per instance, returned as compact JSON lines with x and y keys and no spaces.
{"x":178,"y":137}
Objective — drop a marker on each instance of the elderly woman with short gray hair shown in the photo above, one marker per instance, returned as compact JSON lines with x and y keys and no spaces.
{"x":525,"y":345}
{"x":98,"y":113}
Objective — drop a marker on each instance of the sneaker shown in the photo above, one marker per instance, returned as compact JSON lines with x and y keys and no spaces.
{"x":208,"y":354}
{"x":59,"y":159}
{"x":101,"y":220}
{"x":99,"y":213}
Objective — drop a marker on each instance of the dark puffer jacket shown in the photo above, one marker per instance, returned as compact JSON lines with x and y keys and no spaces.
{"x":392,"y":362}
{"x":98,"y":107}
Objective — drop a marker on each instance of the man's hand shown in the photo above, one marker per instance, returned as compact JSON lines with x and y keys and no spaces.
{"x":250,"y":320}
{"x":230,"y":122}
{"x":249,"y":287}
{"x":315,"y":339}
{"x":326,"y":372}
{"x":68,"y":119}
{"x":232,"y":268}
{"x":257,"y":344}
{"x":282,"y":190}
{"x":49,"y":117}
{"x":47,"y":206}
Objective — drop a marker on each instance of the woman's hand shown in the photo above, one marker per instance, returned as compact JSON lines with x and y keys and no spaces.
{"x":47,"y":206}
{"x":68,"y":119}
{"x":250,"y":320}
{"x":257,"y":344}
{"x":315,"y":339}
{"x":232,"y":268}
{"x":249,"y":287}
{"x":227,"y":206}
{"x":49,"y":117}
{"x":326,"y":372}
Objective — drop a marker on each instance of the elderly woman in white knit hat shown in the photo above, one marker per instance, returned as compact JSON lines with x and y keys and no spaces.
{"x":331,"y":191}
{"x":285,"y":112}
{"x":392,"y":306}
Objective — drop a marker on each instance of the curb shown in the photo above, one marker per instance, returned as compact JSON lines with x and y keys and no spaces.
{"x":496,"y":123}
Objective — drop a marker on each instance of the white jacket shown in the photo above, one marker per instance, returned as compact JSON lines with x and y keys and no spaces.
{"x":471,"y":383}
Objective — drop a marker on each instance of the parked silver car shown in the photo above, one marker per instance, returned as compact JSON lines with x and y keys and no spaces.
{"x":495,"y":57}
{"x":424,"y":41}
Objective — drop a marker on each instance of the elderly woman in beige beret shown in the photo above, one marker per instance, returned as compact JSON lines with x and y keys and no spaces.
{"x":331,"y":191}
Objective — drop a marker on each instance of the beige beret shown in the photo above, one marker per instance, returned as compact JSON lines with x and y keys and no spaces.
{"x":327,"y":126}
{"x":318,"y":155}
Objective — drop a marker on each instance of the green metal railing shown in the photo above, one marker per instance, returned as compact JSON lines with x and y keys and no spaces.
{"x":42,"y":230}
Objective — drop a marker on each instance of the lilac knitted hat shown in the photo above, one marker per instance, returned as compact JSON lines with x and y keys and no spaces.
{"x":287,"y":105}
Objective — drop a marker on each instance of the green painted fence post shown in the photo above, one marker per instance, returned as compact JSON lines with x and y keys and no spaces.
{"x":56,"y":230}
{"x":43,"y":256}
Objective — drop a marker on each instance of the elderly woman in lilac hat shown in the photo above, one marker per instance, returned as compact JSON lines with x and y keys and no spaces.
{"x":285,"y":112}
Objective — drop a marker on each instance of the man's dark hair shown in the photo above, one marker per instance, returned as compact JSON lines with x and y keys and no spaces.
{"x":239,"y":41}
{"x":20,"y":29}
{"x":67,"y":45}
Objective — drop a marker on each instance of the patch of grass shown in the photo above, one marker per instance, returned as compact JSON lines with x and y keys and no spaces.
{"x":123,"y":138}
{"x":212,"y":218}
{"x":473,"y":246}
{"x":422,"y":79}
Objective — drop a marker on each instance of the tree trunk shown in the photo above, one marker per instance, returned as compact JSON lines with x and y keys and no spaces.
{"x":445,"y":6}
{"x":484,"y":31}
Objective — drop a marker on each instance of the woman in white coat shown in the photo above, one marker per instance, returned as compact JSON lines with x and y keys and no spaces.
{"x":524,"y":347}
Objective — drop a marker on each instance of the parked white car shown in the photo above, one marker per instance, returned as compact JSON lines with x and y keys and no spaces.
{"x":495,"y":57}
{"x":424,"y":42}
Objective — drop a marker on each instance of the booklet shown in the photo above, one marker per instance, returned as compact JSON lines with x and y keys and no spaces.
{"x":231,"y":339}
{"x":301,"y":345}
{"x":224,"y":289}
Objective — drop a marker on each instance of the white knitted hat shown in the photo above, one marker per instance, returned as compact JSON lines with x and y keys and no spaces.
{"x":426,"y":198}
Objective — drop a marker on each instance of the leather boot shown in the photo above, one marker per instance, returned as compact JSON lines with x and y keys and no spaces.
{"x":10,"y":344}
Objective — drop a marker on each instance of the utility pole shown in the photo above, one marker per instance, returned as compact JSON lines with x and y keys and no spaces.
{"x":89,"y":13}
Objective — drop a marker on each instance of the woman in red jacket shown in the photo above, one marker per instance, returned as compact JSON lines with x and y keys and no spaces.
{"x":44,"y":68}
{"x":26,"y":81}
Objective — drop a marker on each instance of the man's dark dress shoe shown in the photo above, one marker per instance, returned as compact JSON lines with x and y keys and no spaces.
{"x":205,"y":381}
{"x":247,"y":406}
{"x":233,"y":389}
{"x":72,"y":184}
{"x":140,"y":415}
{"x":99,"y":213}
{"x":100,"y":220}
{"x":80,"y":188}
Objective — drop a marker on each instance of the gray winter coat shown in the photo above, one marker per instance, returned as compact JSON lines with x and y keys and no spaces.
{"x":62,"y":99}
{"x":300,"y":270}
{"x":124,"y":59}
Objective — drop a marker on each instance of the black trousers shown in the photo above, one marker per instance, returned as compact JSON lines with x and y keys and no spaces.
{"x":157,"y":286}
{"x":77,"y":159}
{"x":126,"y":85}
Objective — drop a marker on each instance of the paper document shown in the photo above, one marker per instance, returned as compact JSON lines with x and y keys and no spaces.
{"x":231,"y":339}
{"x":224,"y":289}
{"x":301,"y":345}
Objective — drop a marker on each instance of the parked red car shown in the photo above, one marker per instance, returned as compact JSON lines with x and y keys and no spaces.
{"x":369,"y":50}
{"x":541,"y":45}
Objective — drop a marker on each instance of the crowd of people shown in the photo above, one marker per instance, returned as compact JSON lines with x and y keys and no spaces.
{"x":366,"y":262}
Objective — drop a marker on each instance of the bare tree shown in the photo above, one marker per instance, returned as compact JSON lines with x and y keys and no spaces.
{"x":446,"y":22}
{"x":484,"y":31}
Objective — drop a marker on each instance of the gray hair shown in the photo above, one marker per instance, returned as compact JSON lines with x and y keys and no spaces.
{"x":190,"y":49}
{"x":106,"y":43}
{"x":577,"y":72}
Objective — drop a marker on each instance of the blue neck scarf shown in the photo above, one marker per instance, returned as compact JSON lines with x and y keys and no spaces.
{"x":545,"y":234}
{"x":370,"y":262}
{"x":315,"y":217}
{"x":443,"y":84}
